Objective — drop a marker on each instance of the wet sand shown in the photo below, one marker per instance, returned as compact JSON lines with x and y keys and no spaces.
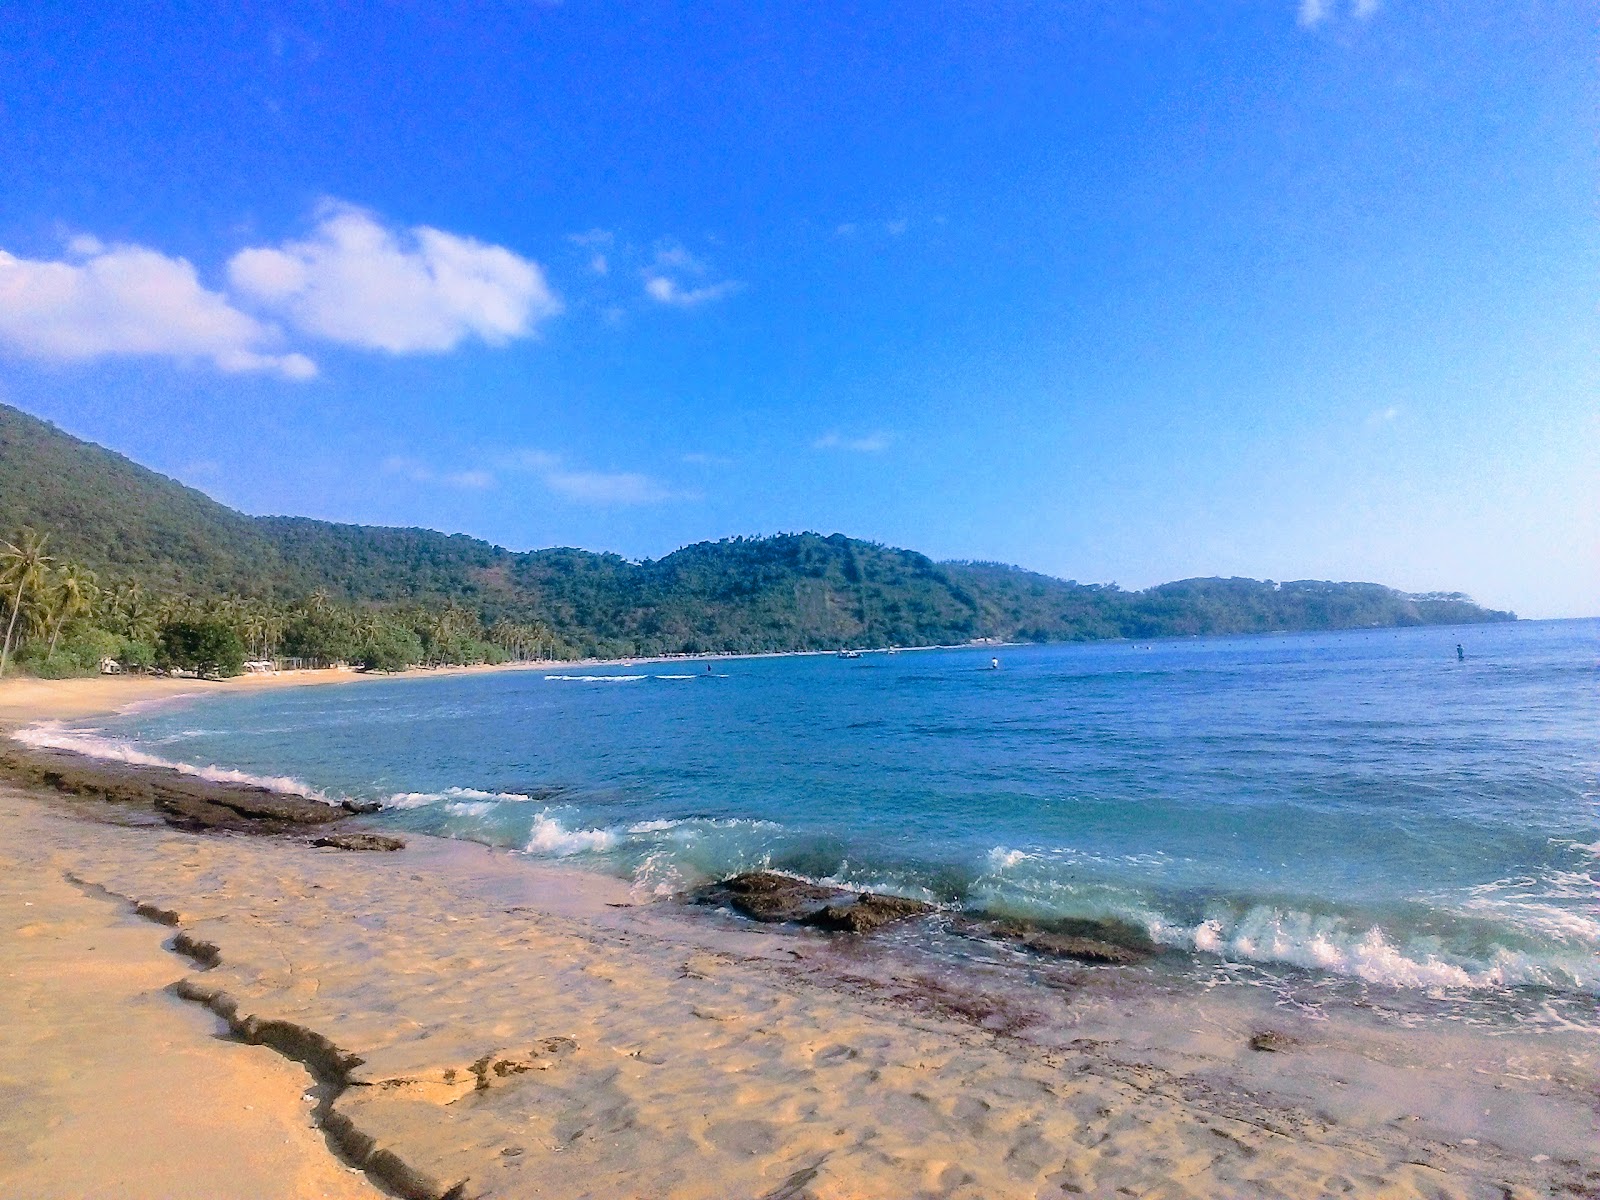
{"x":474,"y":1024}
{"x":485,"y":1024}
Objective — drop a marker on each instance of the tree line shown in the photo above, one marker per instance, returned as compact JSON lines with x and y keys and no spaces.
{"x":60,"y":619}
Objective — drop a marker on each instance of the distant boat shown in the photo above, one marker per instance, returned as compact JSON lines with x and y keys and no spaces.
{"x":849,"y":654}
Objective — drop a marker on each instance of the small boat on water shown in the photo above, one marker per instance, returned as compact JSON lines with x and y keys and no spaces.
{"x":849,"y":654}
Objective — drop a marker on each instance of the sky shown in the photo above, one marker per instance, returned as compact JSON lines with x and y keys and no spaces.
{"x":1117,"y":291}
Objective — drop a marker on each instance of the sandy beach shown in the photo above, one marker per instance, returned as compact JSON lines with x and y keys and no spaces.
{"x":450,"y":1021}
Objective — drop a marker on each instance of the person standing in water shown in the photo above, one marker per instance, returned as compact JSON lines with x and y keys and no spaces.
{"x":1461,"y":655}
{"x":994,"y":664}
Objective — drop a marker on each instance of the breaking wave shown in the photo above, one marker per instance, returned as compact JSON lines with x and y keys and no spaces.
{"x":52,"y":735}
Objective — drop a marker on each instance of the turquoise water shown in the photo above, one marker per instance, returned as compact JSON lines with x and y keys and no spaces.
{"x":1358,"y":805}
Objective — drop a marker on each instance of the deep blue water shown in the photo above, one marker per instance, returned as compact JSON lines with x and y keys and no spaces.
{"x":1359,"y":803}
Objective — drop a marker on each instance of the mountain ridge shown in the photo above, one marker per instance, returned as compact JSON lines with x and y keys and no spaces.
{"x":785,"y":592}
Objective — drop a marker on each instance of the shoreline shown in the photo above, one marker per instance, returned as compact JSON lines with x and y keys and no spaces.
{"x":25,"y":699}
{"x":483,"y":1022}
{"x":474,"y":1018}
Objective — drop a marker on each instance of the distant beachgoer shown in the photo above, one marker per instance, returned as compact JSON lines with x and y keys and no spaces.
{"x":708,"y":668}
{"x":994,"y":664}
{"x":1461,"y":655}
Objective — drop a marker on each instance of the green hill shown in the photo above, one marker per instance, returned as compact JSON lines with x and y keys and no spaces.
{"x":789,"y":592}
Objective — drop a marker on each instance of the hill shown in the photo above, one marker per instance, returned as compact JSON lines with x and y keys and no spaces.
{"x":788,"y":592}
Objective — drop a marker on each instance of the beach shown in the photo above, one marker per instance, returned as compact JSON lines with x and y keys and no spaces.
{"x":448,"y":1020}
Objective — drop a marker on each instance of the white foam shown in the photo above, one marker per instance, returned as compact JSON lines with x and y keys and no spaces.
{"x":551,"y":837}
{"x":423,"y":799}
{"x":599,"y":678}
{"x":52,"y":735}
{"x":677,"y":677}
{"x":470,"y":808}
{"x":1271,"y":935}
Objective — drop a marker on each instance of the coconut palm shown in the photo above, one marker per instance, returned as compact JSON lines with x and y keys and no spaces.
{"x":72,"y":593}
{"x":23,"y":565}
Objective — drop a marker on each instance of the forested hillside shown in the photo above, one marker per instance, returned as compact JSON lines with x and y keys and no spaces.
{"x":129,"y":525}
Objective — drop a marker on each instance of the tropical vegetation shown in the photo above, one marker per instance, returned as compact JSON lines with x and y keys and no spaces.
{"x":111,"y":560}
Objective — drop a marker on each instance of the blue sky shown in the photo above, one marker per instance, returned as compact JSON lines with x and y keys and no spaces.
{"x":1115,"y":291}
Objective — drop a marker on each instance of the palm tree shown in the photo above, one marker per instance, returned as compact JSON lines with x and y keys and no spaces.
{"x":25,"y":564}
{"x":133,"y":612}
{"x":73,"y":595}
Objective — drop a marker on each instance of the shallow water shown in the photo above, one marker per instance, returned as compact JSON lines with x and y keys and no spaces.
{"x":1358,"y":809}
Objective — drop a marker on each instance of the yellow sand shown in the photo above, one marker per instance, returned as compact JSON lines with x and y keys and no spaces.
{"x":23,"y":699}
{"x":110,"y":1087}
{"x":521,"y":1037}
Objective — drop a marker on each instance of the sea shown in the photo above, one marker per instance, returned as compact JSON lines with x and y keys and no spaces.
{"x":1408,"y":819}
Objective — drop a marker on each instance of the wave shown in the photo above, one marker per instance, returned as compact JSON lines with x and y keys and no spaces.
{"x":405,"y":800}
{"x":551,"y":837}
{"x":1026,"y":883}
{"x":599,"y":678}
{"x":52,"y":735}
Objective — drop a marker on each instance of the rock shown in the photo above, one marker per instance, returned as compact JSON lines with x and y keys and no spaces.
{"x":1111,"y":942}
{"x":182,"y":800}
{"x":768,"y":896}
{"x":361,"y":808}
{"x":1270,"y":1041}
{"x":1081,"y":948}
{"x":869,"y":911}
{"x":360,"y":841}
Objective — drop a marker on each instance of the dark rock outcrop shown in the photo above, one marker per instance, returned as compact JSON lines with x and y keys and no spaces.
{"x":184,"y":800}
{"x":360,"y":841}
{"x":867,"y":912}
{"x":768,"y":896}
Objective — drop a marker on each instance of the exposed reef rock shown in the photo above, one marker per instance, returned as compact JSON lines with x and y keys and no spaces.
{"x":768,"y":896}
{"x":1113,"y":942}
{"x":360,"y":841}
{"x":774,"y":898}
{"x":867,"y":912}
{"x":771,"y":897}
{"x":187,"y":801}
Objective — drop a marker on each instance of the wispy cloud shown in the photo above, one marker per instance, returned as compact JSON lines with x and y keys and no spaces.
{"x":698,"y":459}
{"x":1384,"y":416}
{"x":607,"y":487}
{"x":677,"y":278}
{"x":475,"y":479}
{"x":872,"y":443}
{"x":598,"y":243}
{"x":578,"y":483}
{"x":130,"y":300}
{"x":358,"y":281}
{"x":1313,"y":13}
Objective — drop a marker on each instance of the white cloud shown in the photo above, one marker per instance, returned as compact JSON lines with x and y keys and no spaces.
{"x":1382,"y":417}
{"x":699,"y":459}
{"x":872,"y":443}
{"x":607,"y":487}
{"x":1315,"y":12}
{"x":131,"y":300}
{"x":575,"y":483}
{"x":420,"y":472}
{"x":675,"y":279}
{"x":409,"y":291}
{"x":668,"y":291}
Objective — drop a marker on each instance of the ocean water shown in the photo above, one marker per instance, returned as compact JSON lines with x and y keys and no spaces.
{"x":1356,"y":808}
